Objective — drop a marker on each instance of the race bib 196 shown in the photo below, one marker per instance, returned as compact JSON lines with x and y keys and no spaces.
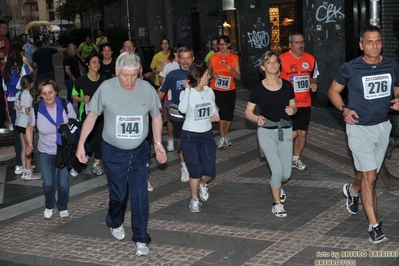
{"x":223,"y":82}
{"x":203,"y":111}
{"x":129,"y":127}
{"x":377,"y":86}
{"x":301,"y":83}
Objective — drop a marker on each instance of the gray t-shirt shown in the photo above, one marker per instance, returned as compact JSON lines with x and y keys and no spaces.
{"x":125,"y":112}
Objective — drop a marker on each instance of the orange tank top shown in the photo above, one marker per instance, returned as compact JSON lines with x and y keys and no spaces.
{"x":225,"y":81}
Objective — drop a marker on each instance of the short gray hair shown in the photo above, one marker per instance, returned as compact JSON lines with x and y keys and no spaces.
{"x":128,"y":60}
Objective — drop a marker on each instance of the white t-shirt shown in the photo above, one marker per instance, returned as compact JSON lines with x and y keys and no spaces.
{"x":21,"y":105}
{"x":199,"y":108}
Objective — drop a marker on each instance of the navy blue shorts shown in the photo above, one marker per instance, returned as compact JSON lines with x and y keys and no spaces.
{"x":177,"y":128}
{"x":21,"y":129}
{"x":199,"y":151}
{"x":301,"y":119}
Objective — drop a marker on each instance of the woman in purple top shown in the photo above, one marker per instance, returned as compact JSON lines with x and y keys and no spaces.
{"x":51,"y":114}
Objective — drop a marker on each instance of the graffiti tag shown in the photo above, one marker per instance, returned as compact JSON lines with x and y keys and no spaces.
{"x":258,"y":39}
{"x":328,"y":14}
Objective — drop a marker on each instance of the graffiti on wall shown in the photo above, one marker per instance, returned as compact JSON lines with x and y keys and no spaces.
{"x":258,"y":39}
{"x":328,"y":13}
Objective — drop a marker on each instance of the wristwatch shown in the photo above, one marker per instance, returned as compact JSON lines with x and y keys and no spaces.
{"x":342,"y":108}
{"x":157,"y":143}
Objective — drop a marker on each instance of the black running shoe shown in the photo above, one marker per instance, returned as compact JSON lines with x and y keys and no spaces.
{"x":352,"y":203}
{"x":376,"y":235}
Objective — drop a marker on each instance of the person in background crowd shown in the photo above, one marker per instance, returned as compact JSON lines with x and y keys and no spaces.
{"x":128,"y":46}
{"x":159,"y":59}
{"x":86,"y":48}
{"x":71,"y":69}
{"x":170,"y":65}
{"x":4,"y":46}
{"x":197,"y":142}
{"x":12,"y":72}
{"x":125,"y":149}
{"x":28,"y":48}
{"x":83,"y":90}
{"x":224,"y":69}
{"x":42,"y":60}
{"x":50,"y":115}
{"x":101,"y":39}
{"x":107,"y":67}
{"x":23,"y":105}
{"x":174,"y":82}
{"x":300,"y":68}
{"x":215,"y":49}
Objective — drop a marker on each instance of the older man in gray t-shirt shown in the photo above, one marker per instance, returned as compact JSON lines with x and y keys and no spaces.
{"x":126,"y":102}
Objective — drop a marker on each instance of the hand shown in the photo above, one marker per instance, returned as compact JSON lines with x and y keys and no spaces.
{"x":395,"y":104}
{"x":215,"y":118}
{"x":29,"y":149}
{"x":215,"y":76}
{"x":186,"y":84}
{"x":81,"y":154}
{"x":86,"y":98}
{"x":289,"y":111}
{"x":261,"y":121}
{"x":313,"y":87}
{"x":160,"y":153}
{"x":350,"y":117}
{"x":229,"y":68}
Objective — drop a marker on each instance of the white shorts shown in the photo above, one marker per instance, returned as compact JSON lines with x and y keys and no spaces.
{"x":368,"y":145}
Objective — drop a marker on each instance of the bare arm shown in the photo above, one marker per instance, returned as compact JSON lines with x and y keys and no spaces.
{"x":87,"y":127}
{"x":395,"y":102}
{"x":249,"y":114}
{"x":157,"y":134}
{"x":236,"y":71}
{"x":350,"y":116}
{"x":29,"y":139}
{"x":160,"y":95}
{"x":69,"y":73}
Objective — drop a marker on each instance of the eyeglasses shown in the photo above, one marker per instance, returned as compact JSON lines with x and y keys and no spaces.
{"x":299,"y":43}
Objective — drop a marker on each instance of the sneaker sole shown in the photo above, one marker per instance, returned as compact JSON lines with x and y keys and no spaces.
{"x":280,"y":215}
{"x":344,"y":190}
{"x":199,"y":210}
{"x":203,"y":199}
{"x":142,"y":254}
{"x":385,"y":239}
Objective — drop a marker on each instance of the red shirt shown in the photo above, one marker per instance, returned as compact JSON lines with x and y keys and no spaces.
{"x":299,"y":71}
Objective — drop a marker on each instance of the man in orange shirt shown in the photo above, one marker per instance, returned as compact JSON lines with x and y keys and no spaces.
{"x":300,"y":68}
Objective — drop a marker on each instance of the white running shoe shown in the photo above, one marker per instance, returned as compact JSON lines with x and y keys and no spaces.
{"x":298,"y":164}
{"x":220,"y":143}
{"x":195,"y":205}
{"x":185,"y":176}
{"x":203,"y":192}
{"x":118,"y":233}
{"x":278,"y":210}
{"x":64,"y":214}
{"x":171,"y":145}
{"x":48,"y":213}
{"x":142,"y":249}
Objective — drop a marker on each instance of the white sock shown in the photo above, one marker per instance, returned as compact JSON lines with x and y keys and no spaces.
{"x":28,"y":171}
{"x":295,"y":158}
{"x":371,"y":226}
{"x":183,"y":165}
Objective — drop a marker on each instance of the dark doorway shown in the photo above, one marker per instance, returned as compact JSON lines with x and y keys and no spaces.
{"x":196,"y":32}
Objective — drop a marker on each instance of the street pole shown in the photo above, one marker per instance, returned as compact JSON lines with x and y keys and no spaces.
{"x":128,"y":19}
{"x":375,"y":13}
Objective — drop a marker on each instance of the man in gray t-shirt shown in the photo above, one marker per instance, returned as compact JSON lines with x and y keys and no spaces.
{"x":126,"y":102}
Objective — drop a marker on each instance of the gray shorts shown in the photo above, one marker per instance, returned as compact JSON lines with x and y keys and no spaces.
{"x":368,"y":145}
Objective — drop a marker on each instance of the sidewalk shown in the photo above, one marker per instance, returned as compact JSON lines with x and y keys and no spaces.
{"x":235,"y":227}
